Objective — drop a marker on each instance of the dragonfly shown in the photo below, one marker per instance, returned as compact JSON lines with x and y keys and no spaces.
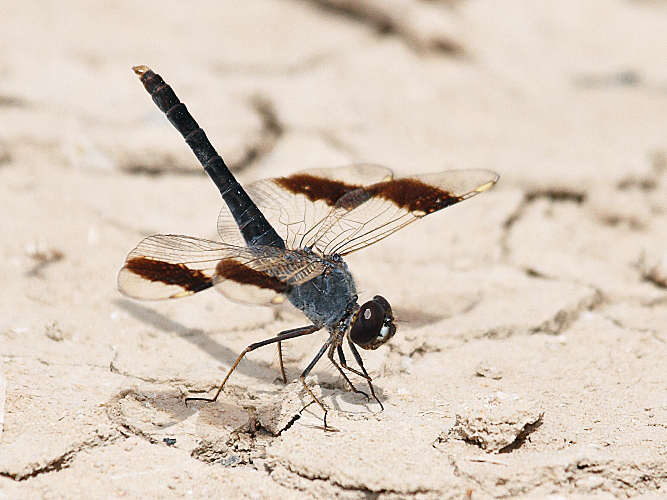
{"x":285,"y":238}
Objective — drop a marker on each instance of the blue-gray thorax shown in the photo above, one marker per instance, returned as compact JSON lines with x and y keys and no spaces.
{"x":326,"y":299}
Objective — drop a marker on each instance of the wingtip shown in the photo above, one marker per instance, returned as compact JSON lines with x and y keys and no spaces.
{"x":486,"y":186}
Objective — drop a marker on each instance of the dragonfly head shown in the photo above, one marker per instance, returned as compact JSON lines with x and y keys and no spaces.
{"x":373,"y":325}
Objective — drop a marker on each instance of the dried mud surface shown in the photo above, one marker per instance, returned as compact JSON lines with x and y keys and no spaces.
{"x":532,"y":345}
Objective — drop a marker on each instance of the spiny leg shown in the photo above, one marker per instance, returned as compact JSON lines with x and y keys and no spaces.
{"x":280,"y":356}
{"x":305,"y":374}
{"x":357,"y":356}
{"x":280,"y":360}
{"x":365,"y":374}
{"x":286,"y":335}
{"x":341,"y":356}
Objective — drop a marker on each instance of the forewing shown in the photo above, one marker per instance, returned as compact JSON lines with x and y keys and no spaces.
{"x":366,"y":215}
{"x":297,"y":204}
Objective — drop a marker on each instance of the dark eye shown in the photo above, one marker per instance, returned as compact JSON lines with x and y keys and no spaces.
{"x":373,"y":325}
{"x":367,"y":324}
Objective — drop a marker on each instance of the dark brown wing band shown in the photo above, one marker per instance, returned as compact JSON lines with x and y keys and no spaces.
{"x":191,"y":280}
{"x":242,"y":274}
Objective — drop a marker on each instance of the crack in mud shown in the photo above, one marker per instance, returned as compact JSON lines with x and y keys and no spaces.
{"x":627,"y":478}
{"x":256,"y":69}
{"x":621,"y":324}
{"x":9,"y":101}
{"x":5,"y":154}
{"x":651,"y":270}
{"x":564,"y":318}
{"x":500,"y":433}
{"x":55,"y":465}
{"x":586,"y":474}
{"x":386,"y":20}
{"x":166,"y":167}
{"x":64,"y":460}
{"x":554,"y":195}
{"x":265,"y":141}
{"x":557,"y":324}
{"x":523,"y":435}
{"x":337,"y":488}
{"x":271,"y":132}
{"x":616,"y":220}
{"x":150,"y":380}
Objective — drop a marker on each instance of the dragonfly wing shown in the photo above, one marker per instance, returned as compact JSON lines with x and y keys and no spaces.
{"x":173,"y":266}
{"x":170,"y":266}
{"x":369,"y":214}
{"x":258,"y":274}
{"x":295,"y":205}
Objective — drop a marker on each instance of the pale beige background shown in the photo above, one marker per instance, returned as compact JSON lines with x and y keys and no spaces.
{"x":531,"y":353}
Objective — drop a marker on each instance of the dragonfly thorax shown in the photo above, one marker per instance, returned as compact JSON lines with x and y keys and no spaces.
{"x":325,"y":299}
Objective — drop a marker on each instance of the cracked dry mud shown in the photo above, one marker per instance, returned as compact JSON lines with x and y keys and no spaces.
{"x":530,"y":356}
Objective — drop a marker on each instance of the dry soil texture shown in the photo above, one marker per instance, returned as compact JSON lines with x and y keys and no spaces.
{"x":532,"y":345}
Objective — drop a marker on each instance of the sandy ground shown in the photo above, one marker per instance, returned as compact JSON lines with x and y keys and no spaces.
{"x":531,"y":353}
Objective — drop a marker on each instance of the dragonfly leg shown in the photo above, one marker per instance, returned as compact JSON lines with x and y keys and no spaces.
{"x":341,"y":356}
{"x":280,"y":360}
{"x":305,"y":373}
{"x":286,"y":335}
{"x":364,"y":374}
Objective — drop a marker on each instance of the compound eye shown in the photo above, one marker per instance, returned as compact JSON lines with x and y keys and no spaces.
{"x":367,"y":324}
